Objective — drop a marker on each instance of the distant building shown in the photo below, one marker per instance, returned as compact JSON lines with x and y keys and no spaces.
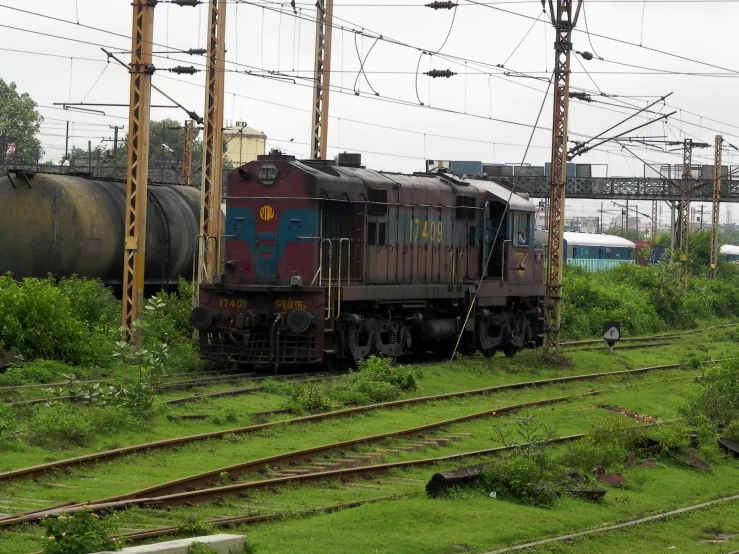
{"x":583,"y":224}
{"x":244,"y":143}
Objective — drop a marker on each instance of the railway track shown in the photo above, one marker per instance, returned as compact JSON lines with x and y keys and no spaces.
{"x":618,"y":526}
{"x":164,"y":493}
{"x":182,"y":385}
{"x":651,"y":337}
{"x":107,"y":455}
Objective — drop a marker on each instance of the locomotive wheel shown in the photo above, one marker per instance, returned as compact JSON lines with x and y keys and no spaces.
{"x":489,"y":352}
{"x":509,"y":350}
{"x":334,"y":364}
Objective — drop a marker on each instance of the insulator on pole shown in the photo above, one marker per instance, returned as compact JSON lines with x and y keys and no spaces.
{"x":442,"y":5}
{"x":197,"y":51}
{"x":186,"y":3}
{"x":182,"y":70}
{"x":585,"y":97}
{"x":440,"y":73}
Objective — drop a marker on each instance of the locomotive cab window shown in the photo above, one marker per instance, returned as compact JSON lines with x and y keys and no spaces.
{"x":466,"y":207}
{"x":521,"y":229}
{"x":378,"y":202}
{"x":376,"y":233}
{"x":377,"y":217}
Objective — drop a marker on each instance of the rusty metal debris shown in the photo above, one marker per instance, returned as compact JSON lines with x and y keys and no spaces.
{"x":632,"y":414}
{"x":440,"y":482}
{"x":611,"y":479}
{"x":588,"y":494}
{"x":691,"y":460}
{"x":729,"y":446}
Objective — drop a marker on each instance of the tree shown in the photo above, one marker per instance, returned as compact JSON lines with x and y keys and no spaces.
{"x":166,"y":144}
{"x":19,"y":123}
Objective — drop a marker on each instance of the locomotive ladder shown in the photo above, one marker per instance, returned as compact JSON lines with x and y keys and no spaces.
{"x":328,"y":282}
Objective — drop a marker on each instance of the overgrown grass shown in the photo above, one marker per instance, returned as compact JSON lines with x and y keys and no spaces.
{"x":644,"y":299}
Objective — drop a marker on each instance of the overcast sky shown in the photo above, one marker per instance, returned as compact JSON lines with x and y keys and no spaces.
{"x":267,"y":36}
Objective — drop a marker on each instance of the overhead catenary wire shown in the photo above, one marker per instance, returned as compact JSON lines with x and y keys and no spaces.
{"x":497,"y":232}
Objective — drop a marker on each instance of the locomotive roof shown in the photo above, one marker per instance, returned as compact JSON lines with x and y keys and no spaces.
{"x":502,"y":193}
{"x":729,"y":249}
{"x":337,"y":180}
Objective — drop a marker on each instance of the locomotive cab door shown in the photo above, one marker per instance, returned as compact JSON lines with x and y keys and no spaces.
{"x":494,"y":214}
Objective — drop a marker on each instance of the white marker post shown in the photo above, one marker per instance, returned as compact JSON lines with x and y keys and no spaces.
{"x":611,"y":333}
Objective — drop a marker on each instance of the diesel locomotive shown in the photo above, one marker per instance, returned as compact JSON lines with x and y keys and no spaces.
{"x":326,"y":262}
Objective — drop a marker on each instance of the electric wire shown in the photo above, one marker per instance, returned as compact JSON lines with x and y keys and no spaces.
{"x":483,"y":269}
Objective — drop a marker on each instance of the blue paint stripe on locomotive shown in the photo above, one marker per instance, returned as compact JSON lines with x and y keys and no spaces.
{"x":240,"y":223}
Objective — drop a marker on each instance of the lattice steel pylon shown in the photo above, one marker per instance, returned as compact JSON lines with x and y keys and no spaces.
{"x":716,"y":204}
{"x":654,"y":221}
{"x":137,"y":174}
{"x":322,"y":79}
{"x":186,"y":171}
{"x":564,"y":20}
{"x":684,"y":211}
{"x":211,"y":217}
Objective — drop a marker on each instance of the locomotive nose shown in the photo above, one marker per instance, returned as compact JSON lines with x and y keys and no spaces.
{"x":203,"y":318}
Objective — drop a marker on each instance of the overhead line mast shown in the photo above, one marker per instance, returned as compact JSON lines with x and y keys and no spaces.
{"x":137,"y":173}
{"x":211,"y":220}
{"x":322,"y":82}
{"x":718,"y":146}
{"x":564,"y":20}
{"x":186,"y":170}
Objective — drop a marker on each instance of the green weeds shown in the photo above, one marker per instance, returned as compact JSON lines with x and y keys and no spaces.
{"x":80,"y":533}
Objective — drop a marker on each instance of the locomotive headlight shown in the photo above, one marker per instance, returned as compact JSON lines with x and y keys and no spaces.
{"x":217,"y":279}
{"x":267,"y":174}
{"x":296,"y":280}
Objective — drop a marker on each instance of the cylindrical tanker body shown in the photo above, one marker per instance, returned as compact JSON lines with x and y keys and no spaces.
{"x":65,"y":225}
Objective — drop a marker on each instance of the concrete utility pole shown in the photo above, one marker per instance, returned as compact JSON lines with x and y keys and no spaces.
{"x":322,"y":83}
{"x":209,"y":257}
{"x":137,"y":176}
{"x":115,"y":143}
{"x":564,"y":20}
{"x":716,"y":204}
{"x":186,"y":171}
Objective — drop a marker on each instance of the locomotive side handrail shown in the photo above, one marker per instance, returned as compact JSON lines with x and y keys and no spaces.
{"x":320,"y":272}
{"x":348,"y":273}
{"x":503,"y":272}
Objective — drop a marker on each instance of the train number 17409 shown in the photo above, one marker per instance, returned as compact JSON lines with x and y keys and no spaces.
{"x":431,"y":231}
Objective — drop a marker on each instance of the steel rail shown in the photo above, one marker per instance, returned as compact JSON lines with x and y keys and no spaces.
{"x":181,"y":385}
{"x":652,"y":337}
{"x":280,"y":460}
{"x":187,"y":484}
{"x":136,"y":536}
{"x":204,"y":495}
{"x":233,"y":392}
{"x":618,"y":526}
{"x":106,"y":455}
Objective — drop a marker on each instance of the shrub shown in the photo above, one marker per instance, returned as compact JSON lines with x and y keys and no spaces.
{"x":732,"y":431}
{"x":40,"y":319}
{"x":584,"y":455}
{"x":616,"y":431}
{"x":7,"y":420}
{"x":60,"y":426}
{"x":80,"y":533}
{"x":524,"y":479}
{"x":718,"y":397}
